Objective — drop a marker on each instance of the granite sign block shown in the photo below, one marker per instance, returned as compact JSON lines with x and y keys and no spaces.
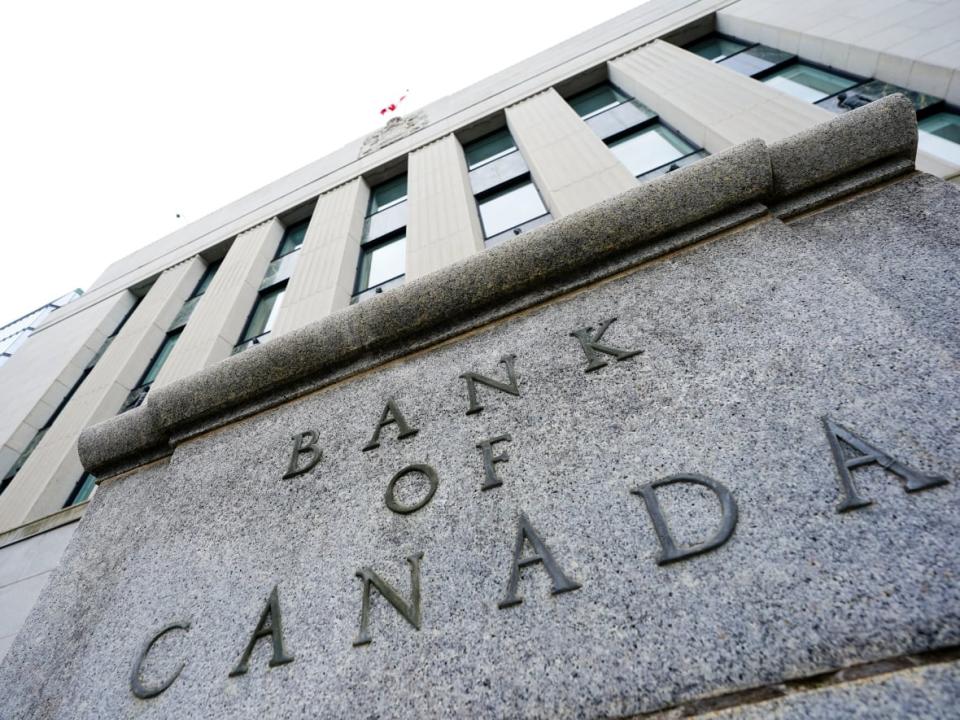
{"x":613,"y":503}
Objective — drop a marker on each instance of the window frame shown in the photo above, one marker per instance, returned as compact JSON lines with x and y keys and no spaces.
{"x":501,"y":189}
{"x":305,"y":223}
{"x":370,"y":246}
{"x":244,"y":342}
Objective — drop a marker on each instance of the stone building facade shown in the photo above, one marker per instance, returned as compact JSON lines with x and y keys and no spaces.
{"x":589,"y":393}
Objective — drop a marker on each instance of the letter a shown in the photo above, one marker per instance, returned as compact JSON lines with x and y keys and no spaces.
{"x":592,"y":346}
{"x":914,"y":481}
{"x":669,"y":550}
{"x":542,"y":554}
{"x":391,"y":414}
{"x":270,"y":625}
{"x":409,"y":612}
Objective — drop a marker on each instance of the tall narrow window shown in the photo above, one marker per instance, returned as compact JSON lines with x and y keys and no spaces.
{"x":83,"y":490}
{"x":507,"y":199}
{"x":645,"y":145}
{"x":383,"y":249}
{"x":27,"y":451}
{"x":265,"y":309}
{"x":139,"y":392}
{"x":262,"y":317}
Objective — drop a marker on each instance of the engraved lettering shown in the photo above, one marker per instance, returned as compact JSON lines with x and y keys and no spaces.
{"x":136,"y":686}
{"x":271,"y":624}
{"x":838,"y":436}
{"x":592,"y":346}
{"x":489,"y":460}
{"x":541,"y":554}
{"x":391,"y":414}
{"x":473,"y":378}
{"x":303,"y":444}
{"x":670,"y":552}
{"x":408,"y":611}
{"x":391,"y":499}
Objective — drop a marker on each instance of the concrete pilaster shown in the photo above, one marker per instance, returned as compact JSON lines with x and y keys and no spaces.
{"x":323,"y":280}
{"x":46,"y":479}
{"x":713,"y":106}
{"x":37,"y":378}
{"x":570,"y":165}
{"x":217,"y":321}
{"x":444,"y":225}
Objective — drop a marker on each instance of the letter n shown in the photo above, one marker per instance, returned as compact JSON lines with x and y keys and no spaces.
{"x":408,"y":611}
{"x":473,"y":378}
{"x":839,"y":437}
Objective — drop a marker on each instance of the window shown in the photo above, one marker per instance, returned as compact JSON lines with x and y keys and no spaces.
{"x":382,"y":262}
{"x":716,"y":48}
{"x":25,"y":455}
{"x":835,"y":91}
{"x":206,"y":279}
{"x":383,"y":249}
{"x":808,"y":83}
{"x":139,"y":393}
{"x":509,"y":208}
{"x":507,"y":199}
{"x":292,"y":239}
{"x":940,"y":136}
{"x":651,"y":148}
{"x":82,"y":491}
{"x":262,"y":317}
{"x":633,"y":132}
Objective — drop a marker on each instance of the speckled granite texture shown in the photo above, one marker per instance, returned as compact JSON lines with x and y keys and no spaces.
{"x":747,"y":339}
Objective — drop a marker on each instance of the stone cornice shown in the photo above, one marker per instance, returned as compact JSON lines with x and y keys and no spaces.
{"x":847,"y":153}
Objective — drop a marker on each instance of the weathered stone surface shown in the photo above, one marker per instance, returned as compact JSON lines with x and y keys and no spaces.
{"x":748,"y":340}
{"x":883,"y":129}
{"x":930,"y":692}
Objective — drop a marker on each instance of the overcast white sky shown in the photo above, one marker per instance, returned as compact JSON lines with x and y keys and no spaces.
{"x":116,"y":116}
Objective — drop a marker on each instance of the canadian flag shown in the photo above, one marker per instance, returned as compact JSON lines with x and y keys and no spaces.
{"x":392,"y":107}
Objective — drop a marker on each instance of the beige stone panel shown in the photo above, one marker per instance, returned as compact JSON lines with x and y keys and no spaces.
{"x":39,"y":375}
{"x":322,"y":282}
{"x":218,"y":318}
{"x":570,"y":165}
{"x":712,"y":105}
{"x":46,"y":479}
{"x":444,"y":225}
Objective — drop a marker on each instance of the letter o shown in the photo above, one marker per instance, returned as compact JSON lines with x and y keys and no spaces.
{"x":391,"y":501}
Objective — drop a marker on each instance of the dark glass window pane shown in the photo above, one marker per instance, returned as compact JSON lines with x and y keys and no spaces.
{"x":83,"y":490}
{"x":650,"y":148}
{"x":160,"y":358}
{"x":264,"y":312}
{"x":874,"y":90}
{"x":207,"y":277}
{"x":940,"y":136}
{"x":622,"y":117}
{"x":490,"y":147}
{"x":596,"y":100}
{"x":716,"y":48}
{"x":292,"y":238}
{"x":808,"y":83}
{"x":386,"y":194}
{"x":509,"y":208}
{"x":755,"y":60}
{"x":383,"y":262}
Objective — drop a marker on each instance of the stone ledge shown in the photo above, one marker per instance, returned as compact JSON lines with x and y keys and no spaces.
{"x":463,"y":293}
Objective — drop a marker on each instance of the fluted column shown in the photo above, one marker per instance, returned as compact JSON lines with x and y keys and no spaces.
{"x":444,"y":225}
{"x":323,"y":279}
{"x":570,"y":165}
